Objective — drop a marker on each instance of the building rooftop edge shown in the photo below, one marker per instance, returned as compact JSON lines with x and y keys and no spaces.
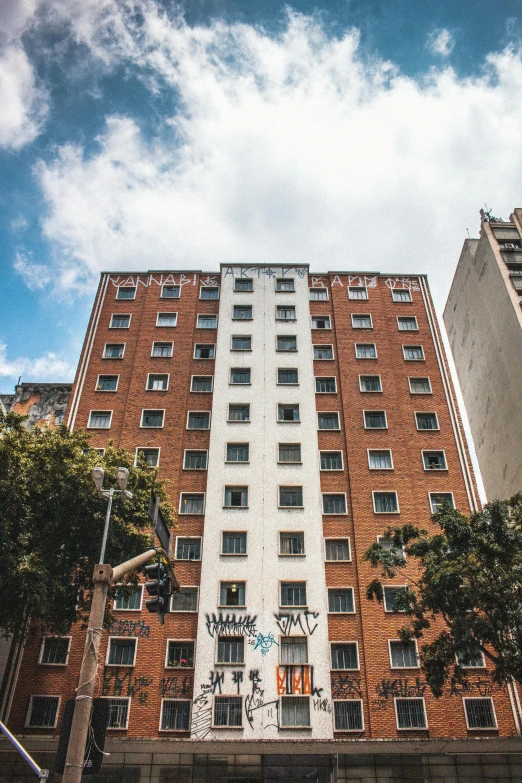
{"x":250,"y":266}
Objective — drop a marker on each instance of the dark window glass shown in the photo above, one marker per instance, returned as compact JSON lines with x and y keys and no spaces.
{"x":344,"y":656}
{"x":434,"y":460}
{"x":240,"y":375}
{"x":288,"y":412}
{"x":243,"y":284}
{"x":242,"y":313}
{"x":120,"y":321}
{"x":325,"y":385}
{"x":337,"y":549}
{"x":162,"y":349}
{"x":385,"y":502}
{"x":118,"y":713}
{"x":114,"y":351}
{"x":242,"y":343}
{"x":236,"y":497}
{"x":348,"y":715}
{"x":122,"y":652}
{"x":362,"y":321}
{"x":340,"y":599}
{"x":239,"y":412}
{"x":188,"y":549}
{"x":403,"y":655}
{"x":291,"y":543}
{"x":204,"y":351}
{"x":365,"y":351}
{"x":187,"y":598}
{"x":107,"y":383}
{"x":201,"y":383}
{"x":287,"y":376}
{"x":180,"y":654}
{"x":390,"y":597}
{"x":128,"y":599}
{"x":234,"y":543}
{"x":290,"y":496}
{"x":192,"y":503}
{"x":286,"y":343}
{"x":43,"y":711}
{"x":157,"y":382}
{"x":198,"y":420}
{"x":410,"y":712}
{"x":167,"y":319}
{"x":231,"y":650}
{"x":295,"y":711}
{"x":195,"y":460}
{"x":209,"y":293}
{"x":55,"y":650}
{"x":285,"y":313}
{"x":175,"y":715}
{"x":427,"y":421}
{"x":127,"y":292}
{"x":293,"y":594}
{"x":170,"y":292}
{"x":323,"y":352}
{"x":328,"y":421}
{"x":320,"y":322}
{"x":331,"y":460}
{"x":237,"y":452}
{"x":152,"y":419}
{"x":370,"y":383}
{"x":290,"y":452}
{"x":285,"y":284}
{"x":438,"y":499}
{"x":232,"y":594}
{"x":151,"y":456}
{"x":334,"y":504}
{"x":375,"y":420}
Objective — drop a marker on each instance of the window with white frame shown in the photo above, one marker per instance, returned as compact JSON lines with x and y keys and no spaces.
{"x":241,"y":342}
{"x":328,"y":420}
{"x":321,"y":322}
{"x":370,"y":383}
{"x":401,"y":295}
{"x":121,"y":652}
{"x":186,"y":600}
{"x":361,"y":321}
{"x":393,"y":598}
{"x":480,"y":713}
{"x":340,"y":600}
{"x":243,"y":284}
{"x":285,"y":313}
{"x":204,"y":351}
{"x":365,"y":351}
{"x":232,"y":594}
{"x":291,"y":497}
{"x":287,"y":412}
{"x":107,"y":383}
{"x":162,"y":350}
{"x":375,"y":420}
{"x":419,"y":385}
{"x":43,"y":712}
{"x":201,"y":383}
{"x":126,"y":292}
{"x":100,"y":420}
{"x":192,"y":503}
{"x":385,"y":503}
{"x":407,"y":324}
{"x":188,"y":549}
{"x":323,"y":352}
{"x":114,"y":351}
{"x":128,"y":598}
{"x":236,"y":497}
{"x":228,"y":711}
{"x":287,"y":376}
{"x":411,"y":714}
{"x":331,"y":460}
{"x":198,"y":420}
{"x":295,"y":711}
{"x":345,"y":656}
{"x":118,"y":713}
{"x":170,"y":292}
{"x":403,"y":655}
{"x":175,"y":715}
{"x":167,"y":319}
{"x":389,"y":545}
{"x":210,"y":293}
{"x":240,"y":376}
{"x":55,"y":650}
{"x":380,"y":459}
{"x":439,"y":499}
{"x":337,"y":549}
{"x":285,"y":284}
{"x":120,"y":321}
{"x":291,"y":544}
{"x":318,"y":294}
{"x":293,"y":650}
{"x":413,"y":353}
{"x":348,"y":715}
{"x":206,"y":321}
{"x":157,"y":382}
{"x":230,"y":649}
{"x":357,"y":292}
{"x":180,"y":654}
{"x":471,"y":660}
{"x":286,"y":342}
{"x":239,"y":412}
{"x":150,"y":455}
{"x":237,"y":452}
{"x":334,"y":503}
{"x":242,"y":313}
{"x":325,"y":385}
{"x":152,"y":418}
{"x":233,"y":543}
{"x":293,"y":594}
{"x":427,"y":421}
{"x":289,"y":453}
{"x":195,"y":460}
{"x":434,"y":460}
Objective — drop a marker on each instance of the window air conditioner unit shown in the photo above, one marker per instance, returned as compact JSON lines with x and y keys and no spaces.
{"x":509,"y":246}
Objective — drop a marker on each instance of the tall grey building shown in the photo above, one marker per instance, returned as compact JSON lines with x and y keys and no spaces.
{"x":483,"y":317}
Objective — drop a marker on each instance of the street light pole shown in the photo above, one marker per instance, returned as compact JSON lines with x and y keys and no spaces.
{"x":122,"y":476}
{"x":107,"y":523}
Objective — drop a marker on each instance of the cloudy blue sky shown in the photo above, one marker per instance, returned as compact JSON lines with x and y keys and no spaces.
{"x":351,"y":134}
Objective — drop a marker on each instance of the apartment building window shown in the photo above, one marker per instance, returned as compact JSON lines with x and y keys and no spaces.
{"x":43,"y":712}
{"x":237,"y":452}
{"x":334,"y":504}
{"x":407,"y":324}
{"x":370,"y":383}
{"x":55,"y":650}
{"x":328,"y":420}
{"x":439,"y":499}
{"x":318,"y":294}
{"x":295,"y":711}
{"x":206,"y":322}
{"x":321,"y":322}
{"x":340,"y":600}
{"x":234,"y":543}
{"x":242,"y":313}
{"x":362,"y":321}
{"x":180,"y":654}
{"x":175,"y":715}
{"x":230,"y":650}
{"x":100,"y":420}
{"x":232,"y":594}
{"x":163,"y":350}
{"x":365,"y":351}
{"x":411,"y":713}
{"x":118,"y":713}
{"x":345,"y":656}
{"x":291,"y":544}
{"x":419,"y":385}
{"x":152,"y":418}
{"x":403,"y":655}
{"x":385,"y":503}
{"x":471,"y":660}
{"x":289,"y":453}
{"x":393,"y":598}
{"x":413,"y":353}
{"x":337,"y":549}
{"x":287,"y":412}
{"x":287,"y":376}
{"x":126,"y":292}
{"x":198,"y":420}
{"x":201,"y":383}
{"x":375,"y":420}
{"x":348,"y":715}
{"x":228,"y":711}
{"x":188,"y":549}
{"x":325,"y":385}
{"x":192,"y":503}
{"x":119,"y":321}
{"x":243,"y":284}
{"x":434,"y":460}
{"x":167,"y":319}
{"x":294,"y":650}
{"x":157,"y":382}
{"x":240,"y":376}
{"x":401,"y":295}
{"x":286,"y":313}
{"x":427,"y":421}
{"x":290,"y":497}
{"x":241,"y":342}
{"x":128,"y":599}
{"x":210,"y":293}
{"x":121,"y":652}
{"x":114,"y":351}
{"x":204,"y":351}
{"x":150,"y":455}
{"x":380,"y":459}
{"x":107,"y":383}
{"x":480,"y":713}
{"x":187,"y":598}
{"x":293,"y":594}
{"x":357,"y":292}
{"x":285,"y":284}
{"x":236,"y":497}
{"x":286,"y":342}
{"x":323,"y":352}
{"x":389,"y":545}
{"x":331,"y":460}
{"x":239,"y":412}
{"x":170,"y":292}
{"x":195,"y":460}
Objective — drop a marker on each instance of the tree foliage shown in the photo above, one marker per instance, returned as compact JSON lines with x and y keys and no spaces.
{"x":470,"y":575}
{"x":51,"y":521}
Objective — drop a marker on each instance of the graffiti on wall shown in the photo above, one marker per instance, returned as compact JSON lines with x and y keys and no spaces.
{"x":299,"y":621}
{"x":129,"y":628}
{"x":231,"y":624}
{"x":264,"y":643}
{"x":296,"y":679}
{"x":345,"y":686}
{"x":123,"y":682}
{"x":176,"y":687}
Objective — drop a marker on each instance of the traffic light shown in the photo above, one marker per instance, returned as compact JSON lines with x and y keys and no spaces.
{"x":159,"y":587}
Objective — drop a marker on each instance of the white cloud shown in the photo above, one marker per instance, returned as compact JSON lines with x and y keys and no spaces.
{"x":46,"y":368}
{"x":441,"y":42}
{"x":23,"y":100}
{"x":35,"y":276}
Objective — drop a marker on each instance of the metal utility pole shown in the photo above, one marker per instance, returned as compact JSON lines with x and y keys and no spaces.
{"x":43,"y":774}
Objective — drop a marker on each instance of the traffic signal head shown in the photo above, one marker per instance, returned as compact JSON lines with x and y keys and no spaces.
{"x":159,"y":587}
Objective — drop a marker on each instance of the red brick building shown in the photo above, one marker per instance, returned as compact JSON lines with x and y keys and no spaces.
{"x":296,"y":417}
